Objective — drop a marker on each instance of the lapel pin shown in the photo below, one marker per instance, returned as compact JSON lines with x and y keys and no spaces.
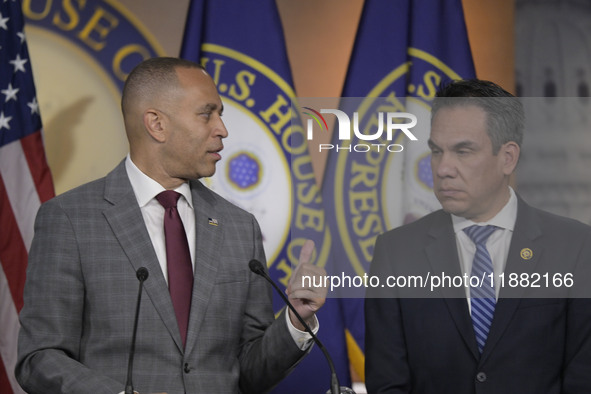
{"x":213,"y":222}
{"x":526,"y":253}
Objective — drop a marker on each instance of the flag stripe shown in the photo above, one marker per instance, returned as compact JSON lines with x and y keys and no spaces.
{"x":20,"y":188}
{"x":13,"y":254}
{"x":35,"y":155}
{"x":9,"y":337}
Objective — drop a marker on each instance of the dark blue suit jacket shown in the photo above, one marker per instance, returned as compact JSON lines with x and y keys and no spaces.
{"x":419,"y":344}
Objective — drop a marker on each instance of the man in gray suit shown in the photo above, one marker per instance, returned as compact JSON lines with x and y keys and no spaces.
{"x":526,"y":334}
{"x":81,"y":287}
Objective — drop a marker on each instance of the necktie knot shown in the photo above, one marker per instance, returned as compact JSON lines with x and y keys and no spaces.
{"x":479,"y":234}
{"x":168,"y":198}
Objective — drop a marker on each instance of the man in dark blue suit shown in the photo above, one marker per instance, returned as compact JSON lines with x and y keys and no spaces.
{"x":496,"y":337}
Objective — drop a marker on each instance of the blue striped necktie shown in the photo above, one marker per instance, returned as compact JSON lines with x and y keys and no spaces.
{"x":482,"y":298}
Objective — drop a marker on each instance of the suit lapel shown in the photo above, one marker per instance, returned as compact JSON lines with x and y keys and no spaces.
{"x":209,"y":223}
{"x":524,"y":254}
{"x":442,"y":255}
{"x":127,"y":223}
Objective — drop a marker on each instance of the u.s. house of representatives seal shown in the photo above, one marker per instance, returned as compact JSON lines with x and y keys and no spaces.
{"x":266,"y":168}
{"x":81,"y":53}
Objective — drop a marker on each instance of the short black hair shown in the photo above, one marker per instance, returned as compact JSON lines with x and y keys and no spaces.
{"x":151,"y":76}
{"x":504,"y":111}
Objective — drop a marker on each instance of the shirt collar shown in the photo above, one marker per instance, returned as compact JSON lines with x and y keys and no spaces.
{"x":505,"y":219}
{"x":146,"y":188}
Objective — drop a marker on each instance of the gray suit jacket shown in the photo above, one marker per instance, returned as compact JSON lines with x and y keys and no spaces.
{"x":535,"y":345}
{"x":81,"y":292}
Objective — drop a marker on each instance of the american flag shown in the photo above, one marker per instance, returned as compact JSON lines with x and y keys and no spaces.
{"x":25,"y":180}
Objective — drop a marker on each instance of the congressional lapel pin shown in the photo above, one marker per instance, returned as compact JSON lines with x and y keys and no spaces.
{"x":213,"y":222}
{"x":526,"y":254}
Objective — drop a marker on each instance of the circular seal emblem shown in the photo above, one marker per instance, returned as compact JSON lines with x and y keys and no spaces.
{"x":81,"y":53}
{"x":266,"y":168}
{"x":367,"y":190}
{"x":526,"y":254}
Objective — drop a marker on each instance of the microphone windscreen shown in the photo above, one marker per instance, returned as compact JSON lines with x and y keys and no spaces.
{"x":142,"y":273}
{"x":256,"y":267}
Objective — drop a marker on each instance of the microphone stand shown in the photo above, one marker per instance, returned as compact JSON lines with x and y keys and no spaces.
{"x":257,"y":267}
{"x":142,"y":275}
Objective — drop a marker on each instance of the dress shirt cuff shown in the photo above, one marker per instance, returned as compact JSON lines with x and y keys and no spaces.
{"x":302,"y":339}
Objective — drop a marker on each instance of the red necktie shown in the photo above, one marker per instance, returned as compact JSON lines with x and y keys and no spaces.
{"x":178,"y":257}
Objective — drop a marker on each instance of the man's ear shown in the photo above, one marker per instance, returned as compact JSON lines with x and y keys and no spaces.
{"x":155,"y":124}
{"x":510,"y":155}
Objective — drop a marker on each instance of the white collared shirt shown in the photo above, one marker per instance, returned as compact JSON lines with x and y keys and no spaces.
{"x":497,"y":244}
{"x":146,"y":189}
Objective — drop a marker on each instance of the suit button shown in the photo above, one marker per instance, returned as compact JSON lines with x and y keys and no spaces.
{"x":187,"y":369}
{"x":481,"y":377}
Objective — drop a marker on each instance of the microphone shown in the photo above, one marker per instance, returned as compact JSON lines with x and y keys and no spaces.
{"x":257,"y":267}
{"x":142,"y":275}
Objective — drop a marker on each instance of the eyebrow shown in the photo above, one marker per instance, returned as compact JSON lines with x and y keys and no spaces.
{"x":432,"y":144}
{"x":210,"y":107}
{"x":458,"y":146}
{"x":464,"y":144}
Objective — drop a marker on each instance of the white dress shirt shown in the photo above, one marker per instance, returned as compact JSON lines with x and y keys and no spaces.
{"x":146,"y":189}
{"x":497,"y":244}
